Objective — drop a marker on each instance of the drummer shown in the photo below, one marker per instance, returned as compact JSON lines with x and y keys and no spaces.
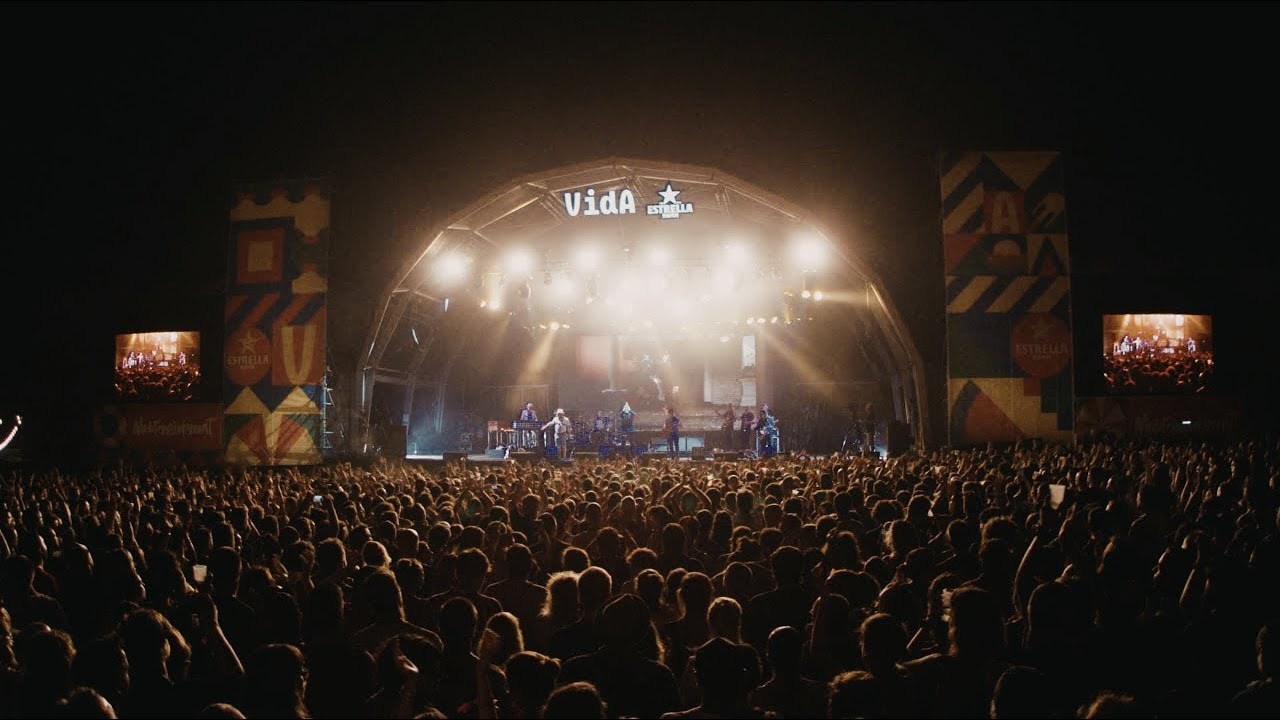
{"x":602,"y":422}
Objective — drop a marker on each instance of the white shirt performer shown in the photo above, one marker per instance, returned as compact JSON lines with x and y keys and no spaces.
{"x":563,"y":433}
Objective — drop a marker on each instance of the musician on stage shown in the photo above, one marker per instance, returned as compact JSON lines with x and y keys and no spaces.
{"x":526,"y":437}
{"x":726,"y":427}
{"x":528,"y":414}
{"x":671,"y":428}
{"x":869,"y":428}
{"x":626,"y":419}
{"x":768,"y":432}
{"x":562,"y":433}
{"x":602,"y":422}
{"x":747,"y":428}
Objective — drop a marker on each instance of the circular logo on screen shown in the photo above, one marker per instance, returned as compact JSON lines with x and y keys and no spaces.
{"x":248,"y":356}
{"x":1041,"y":345}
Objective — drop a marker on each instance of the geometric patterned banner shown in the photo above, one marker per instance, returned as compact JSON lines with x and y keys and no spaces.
{"x":1008,"y":294}
{"x":274,"y":358}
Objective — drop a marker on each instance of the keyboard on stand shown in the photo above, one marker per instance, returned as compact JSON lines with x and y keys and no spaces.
{"x":526,"y":433}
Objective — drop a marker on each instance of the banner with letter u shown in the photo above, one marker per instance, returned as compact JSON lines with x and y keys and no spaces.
{"x":1008,"y":294}
{"x":275,"y":348}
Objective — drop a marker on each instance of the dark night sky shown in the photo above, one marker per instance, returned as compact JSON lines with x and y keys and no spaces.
{"x":129,"y":125}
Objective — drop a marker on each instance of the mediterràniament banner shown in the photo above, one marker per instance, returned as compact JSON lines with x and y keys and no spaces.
{"x":1008,"y":294}
{"x":274,"y":354}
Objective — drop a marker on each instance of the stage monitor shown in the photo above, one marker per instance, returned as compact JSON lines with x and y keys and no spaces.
{"x":1157,"y":354}
{"x":157,"y":366}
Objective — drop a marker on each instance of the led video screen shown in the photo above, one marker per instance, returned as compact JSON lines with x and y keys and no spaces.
{"x":157,"y":366}
{"x":1157,"y":353}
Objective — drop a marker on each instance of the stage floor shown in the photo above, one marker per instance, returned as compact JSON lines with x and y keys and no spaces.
{"x":483,"y":459}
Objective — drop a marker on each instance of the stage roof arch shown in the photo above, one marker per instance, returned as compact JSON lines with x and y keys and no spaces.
{"x":547,"y":219}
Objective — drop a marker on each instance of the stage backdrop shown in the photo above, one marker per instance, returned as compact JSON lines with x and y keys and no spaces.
{"x":274,"y":359}
{"x":1008,"y":293}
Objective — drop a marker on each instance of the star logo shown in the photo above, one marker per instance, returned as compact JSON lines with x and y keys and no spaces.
{"x":671,"y":207}
{"x":669,"y":195}
{"x":247,"y":343}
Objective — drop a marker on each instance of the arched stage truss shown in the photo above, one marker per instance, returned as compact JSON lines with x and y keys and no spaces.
{"x":630,"y":248}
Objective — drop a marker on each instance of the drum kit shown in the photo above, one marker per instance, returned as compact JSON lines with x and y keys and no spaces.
{"x":600,"y":430}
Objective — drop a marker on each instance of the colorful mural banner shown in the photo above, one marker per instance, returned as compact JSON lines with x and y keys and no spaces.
{"x":275,"y":350}
{"x":161,"y":427}
{"x":1008,"y":297}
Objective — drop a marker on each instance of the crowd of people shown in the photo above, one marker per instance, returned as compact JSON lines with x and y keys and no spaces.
{"x":1158,"y":372}
{"x":145,"y":380}
{"x":1104,"y":580}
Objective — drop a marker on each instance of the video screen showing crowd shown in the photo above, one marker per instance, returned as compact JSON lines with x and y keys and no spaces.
{"x":1158,"y":354}
{"x":751,"y":433}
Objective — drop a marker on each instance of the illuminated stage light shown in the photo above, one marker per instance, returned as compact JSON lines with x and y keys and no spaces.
{"x":555,"y":325}
{"x":542,"y":326}
{"x":724,"y":338}
{"x":452,"y":267}
{"x":484,"y":303}
{"x":586,"y":257}
{"x":759,"y":321}
{"x":562,"y":286}
{"x":519,"y":262}
{"x":817,"y":295}
{"x":725,"y":280}
{"x":495,"y":304}
{"x":809,"y":253}
{"x":806,"y":294}
{"x":750,"y":321}
{"x":774,"y":320}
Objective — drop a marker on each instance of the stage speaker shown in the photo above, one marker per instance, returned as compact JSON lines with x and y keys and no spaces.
{"x":397,"y":442}
{"x":605,"y":451}
{"x":454,"y":456}
{"x":897,"y":438}
{"x":524,"y":456}
{"x":699,"y":453}
{"x":727,"y":455}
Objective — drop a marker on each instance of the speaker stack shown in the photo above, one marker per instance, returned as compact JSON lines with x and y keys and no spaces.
{"x":397,"y":443}
{"x":727,"y":455}
{"x":897,"y":438}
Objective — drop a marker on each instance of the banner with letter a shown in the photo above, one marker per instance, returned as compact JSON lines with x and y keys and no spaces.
{"x":1008,"y":294}
{"x":274,"y":355}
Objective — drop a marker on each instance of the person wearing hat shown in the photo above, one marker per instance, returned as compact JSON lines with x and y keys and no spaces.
{"x":563,"y":434}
